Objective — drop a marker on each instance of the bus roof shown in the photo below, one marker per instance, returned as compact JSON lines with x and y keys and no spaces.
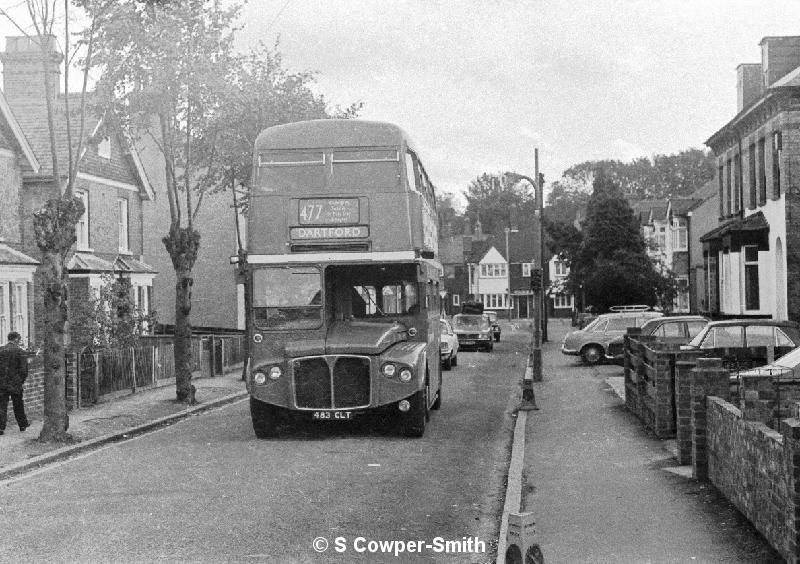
{"x":321,"y":133}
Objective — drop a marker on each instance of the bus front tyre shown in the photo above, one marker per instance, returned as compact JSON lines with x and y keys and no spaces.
{"x":414,"y":419}
{"x":265,"y":418}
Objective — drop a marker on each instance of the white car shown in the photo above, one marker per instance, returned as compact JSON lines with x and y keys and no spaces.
{"x":448,"y":345}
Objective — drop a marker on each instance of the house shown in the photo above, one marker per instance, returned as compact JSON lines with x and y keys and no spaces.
{"x":751,"y":261}
{"x":110,"y":181}
{"x":704,"y":217}
{"x":500,"y":281}
{"x":560,"y":302}
{"x":16,"y":267}
{"x":666,"y":225}
{"x":217,"y":299}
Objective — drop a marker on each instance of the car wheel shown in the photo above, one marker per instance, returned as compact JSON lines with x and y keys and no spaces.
{"x":592,"y":354}
{"x":497,"y":338}
{"x":455,"y":360}
{"x":448,"y":363}
{"x":265,"y":418}
{"x":490,"y":348}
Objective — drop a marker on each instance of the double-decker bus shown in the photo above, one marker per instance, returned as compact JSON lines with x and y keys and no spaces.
{"x":343,"y":274}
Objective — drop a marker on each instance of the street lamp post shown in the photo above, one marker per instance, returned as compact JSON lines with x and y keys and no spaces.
{"x":508,"y":272}
{"x":536,"y":352}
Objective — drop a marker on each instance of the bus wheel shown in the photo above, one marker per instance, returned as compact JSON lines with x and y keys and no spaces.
{"x":414,"y":419}
{"x":438,"y":401}
{"x":265,"y":418}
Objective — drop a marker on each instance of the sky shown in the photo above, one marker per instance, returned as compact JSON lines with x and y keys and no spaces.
{"x":478,"y":85}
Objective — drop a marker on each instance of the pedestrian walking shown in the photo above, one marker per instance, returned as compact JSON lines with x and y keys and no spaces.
{"x":13,"y":372}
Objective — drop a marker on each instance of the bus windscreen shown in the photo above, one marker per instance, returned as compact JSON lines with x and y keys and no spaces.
{"x":287,"y":298}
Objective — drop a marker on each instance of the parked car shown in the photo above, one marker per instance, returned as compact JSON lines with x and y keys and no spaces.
{"x":448,"y":345}
{"x":742,"y":343}
{"x":591,"y":342}
{"x":678,"y":329}
{"x":495,"y":325}
{"x":787,"y":366}
{"x":473,"y":331}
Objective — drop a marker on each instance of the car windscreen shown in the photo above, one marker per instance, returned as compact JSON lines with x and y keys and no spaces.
{"x":790,"y":359}
{"x":470,"y":322}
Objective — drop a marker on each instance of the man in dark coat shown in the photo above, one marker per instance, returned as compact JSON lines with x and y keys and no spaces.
{"x":13,"y":372}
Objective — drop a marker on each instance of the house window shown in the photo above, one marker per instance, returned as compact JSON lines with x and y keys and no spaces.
{"x":728,"y":169}
{"x":762,"y":173}
{"x":122,"y":218}
{"x":493,"y":270}
{"x":752,"y":190}
{"x":526,"y":269}
{"x":561,"y":268}
{"x":680,"y":239}
{"x":661,"y":238}
{"x":721,"y":188}
{"x":456,"y":300}
{"x":82,"y":227}
{"x":682,"y":294}
{"x":777,"y":147}
{"x":751,"y":300}
{"x":562,"y":301}
{"x":737,"y":181}
{"x":14,"y":308}
{"x":494,"y":301}
{"x":104,"y":148}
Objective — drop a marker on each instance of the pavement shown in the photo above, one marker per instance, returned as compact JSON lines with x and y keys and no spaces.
{"x":602,"y":488}
{"x":114,"y":418}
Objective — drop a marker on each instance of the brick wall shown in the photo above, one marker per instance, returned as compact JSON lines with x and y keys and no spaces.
{"x":10,"y":182}
{"x":33,"y":390}
{"x":755,"y":468}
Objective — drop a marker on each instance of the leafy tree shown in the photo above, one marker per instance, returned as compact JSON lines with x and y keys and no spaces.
{"x":498,"y":201}
{"x":565,"y":198}
{"x":110,"y":318}
{"x":166,"y":69}
{"x":612,"y":265}
{"x":662,"y":176}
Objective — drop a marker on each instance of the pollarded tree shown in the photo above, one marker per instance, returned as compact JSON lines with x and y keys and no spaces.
{"x":166,"y":69}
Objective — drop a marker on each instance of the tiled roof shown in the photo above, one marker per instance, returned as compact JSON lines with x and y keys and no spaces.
{"x":12,"y":256}
{"x":32,"y":118}
{"x":754,"y":222}
{"x":88,"y":262}
{"x":680,"y":206}
{"x":129,"y":264}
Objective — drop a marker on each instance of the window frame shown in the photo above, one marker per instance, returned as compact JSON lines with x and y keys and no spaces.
{"x":123,"y":225}
{"x":82,"y":230}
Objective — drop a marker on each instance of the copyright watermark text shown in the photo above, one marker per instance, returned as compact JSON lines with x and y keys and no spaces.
{"x":438,"y":545}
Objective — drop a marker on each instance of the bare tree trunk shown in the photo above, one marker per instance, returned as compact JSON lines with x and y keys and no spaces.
{"x":55,"y":343}
{"x":182,"y":244}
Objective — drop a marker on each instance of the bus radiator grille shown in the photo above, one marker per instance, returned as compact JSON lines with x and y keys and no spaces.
{"x":312,"y":383}
{"x":345,"y":385}
{"x":351,"y":382}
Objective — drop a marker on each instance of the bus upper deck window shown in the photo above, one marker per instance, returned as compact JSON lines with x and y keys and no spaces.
{"x":411,"y":173}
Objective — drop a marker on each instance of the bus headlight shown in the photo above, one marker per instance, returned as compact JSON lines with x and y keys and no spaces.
{"x":275,"y":372}
{"x":389,"y":369}
{"x":405,"y":375}
{"x":259,"y":377}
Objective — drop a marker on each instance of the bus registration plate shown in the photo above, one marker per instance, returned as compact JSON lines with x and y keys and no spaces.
{"x":331,"y":415}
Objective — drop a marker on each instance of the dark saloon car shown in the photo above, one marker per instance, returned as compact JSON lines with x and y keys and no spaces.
{"x":473,"y":331}
{"x":677,"y":329}
{"x":743,"y":343}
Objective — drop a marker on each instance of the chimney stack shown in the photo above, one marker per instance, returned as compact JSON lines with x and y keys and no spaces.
{"x":779,"y":56}
{"x":23,"y":72}
{"x":749,"y":84}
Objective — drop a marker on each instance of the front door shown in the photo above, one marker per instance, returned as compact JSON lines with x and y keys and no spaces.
{"x":523,"y":306}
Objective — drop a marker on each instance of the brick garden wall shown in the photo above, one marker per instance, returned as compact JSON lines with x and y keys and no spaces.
{"x":749,"y":463}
